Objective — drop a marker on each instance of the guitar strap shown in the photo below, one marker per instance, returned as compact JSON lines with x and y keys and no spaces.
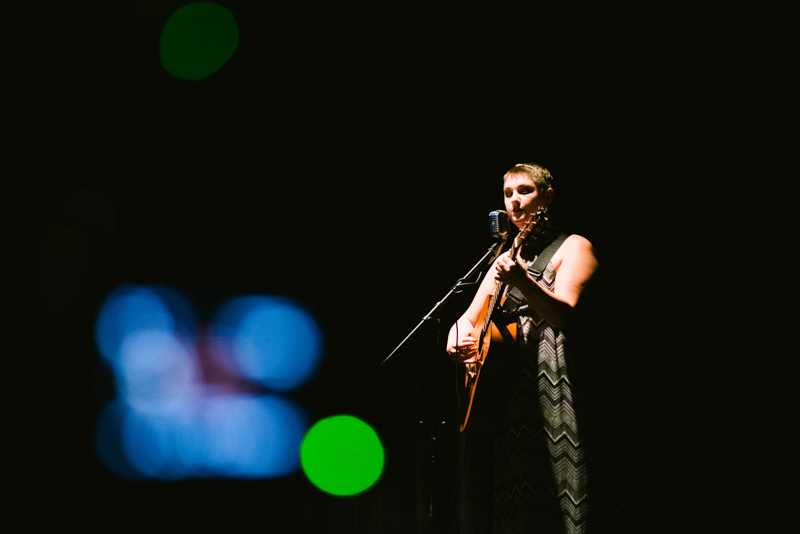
{"x":514,"y":297}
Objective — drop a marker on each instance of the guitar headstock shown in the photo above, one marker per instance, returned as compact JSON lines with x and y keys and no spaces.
{"x":536,"y":223}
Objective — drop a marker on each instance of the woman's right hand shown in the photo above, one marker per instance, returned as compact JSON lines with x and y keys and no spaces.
{"x":464,"y":351}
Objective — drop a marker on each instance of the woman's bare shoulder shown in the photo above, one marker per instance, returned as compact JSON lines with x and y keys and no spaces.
{"x":574,"y":247}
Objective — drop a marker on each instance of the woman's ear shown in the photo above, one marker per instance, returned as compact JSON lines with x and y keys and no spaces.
{"x":548,"y":195}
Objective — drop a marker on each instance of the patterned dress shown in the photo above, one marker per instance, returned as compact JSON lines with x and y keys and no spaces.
{"x":556,"y":467}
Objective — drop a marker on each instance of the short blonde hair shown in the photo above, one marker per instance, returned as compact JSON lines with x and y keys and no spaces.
{"x":536,"y":173}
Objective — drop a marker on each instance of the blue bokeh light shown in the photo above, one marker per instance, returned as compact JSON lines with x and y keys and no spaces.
{"x":130,"y":309}
{"x":172,"y":420}
{"x":155,"y":371}
{"x":272,"y":340}
{"x":233,"y":436}
{"x":252,"y":436}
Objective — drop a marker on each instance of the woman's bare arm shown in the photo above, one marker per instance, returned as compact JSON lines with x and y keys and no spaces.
{"x":460,"y":344}
{"x":575,"y":264}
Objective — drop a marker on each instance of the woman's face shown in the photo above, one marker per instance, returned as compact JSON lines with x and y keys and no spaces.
{"x":523,"y":198}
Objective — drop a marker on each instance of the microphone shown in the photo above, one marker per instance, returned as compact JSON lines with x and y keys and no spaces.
{"x":498,"y":223}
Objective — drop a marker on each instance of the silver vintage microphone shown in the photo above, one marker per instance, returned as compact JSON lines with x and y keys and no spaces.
{"x":498,"y":224}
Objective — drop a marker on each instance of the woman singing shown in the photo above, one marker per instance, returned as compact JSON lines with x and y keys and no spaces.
{"x":543,"y":458}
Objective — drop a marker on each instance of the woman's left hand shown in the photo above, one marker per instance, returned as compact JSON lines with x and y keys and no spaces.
{"x":512,"y":273}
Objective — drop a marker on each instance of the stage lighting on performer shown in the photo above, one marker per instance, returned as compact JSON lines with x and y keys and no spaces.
{"x":272,"y":340}
{"x":197,"y":40}
{"x":342,"y":455}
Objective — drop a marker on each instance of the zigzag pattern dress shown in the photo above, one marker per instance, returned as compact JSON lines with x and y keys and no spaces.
{"x":556,"y":425}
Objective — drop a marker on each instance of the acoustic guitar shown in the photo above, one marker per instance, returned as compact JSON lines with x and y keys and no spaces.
{"x":485,"y":330}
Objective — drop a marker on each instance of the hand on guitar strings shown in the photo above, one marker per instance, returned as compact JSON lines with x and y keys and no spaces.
{"x":510,"y":272}
{"x":465,"y":350}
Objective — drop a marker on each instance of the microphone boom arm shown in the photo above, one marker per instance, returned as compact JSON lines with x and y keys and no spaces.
{"x":488,"y":258}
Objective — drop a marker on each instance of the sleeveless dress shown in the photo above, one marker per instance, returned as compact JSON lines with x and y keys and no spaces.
{"x":556,"y":467}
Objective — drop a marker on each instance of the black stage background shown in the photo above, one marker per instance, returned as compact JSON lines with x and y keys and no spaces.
{"x":349,"y":157}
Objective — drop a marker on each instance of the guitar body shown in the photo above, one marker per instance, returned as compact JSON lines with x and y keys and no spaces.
{"x":486,"y":331}
{"x":504,"y":334}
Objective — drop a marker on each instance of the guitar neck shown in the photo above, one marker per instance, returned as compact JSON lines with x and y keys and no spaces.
{"x":534,"y":223}
{"x":498,"y":290}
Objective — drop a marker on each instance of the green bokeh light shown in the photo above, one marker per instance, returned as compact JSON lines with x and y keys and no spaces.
{"x":197,"y":40}
{"x":342,"y":455}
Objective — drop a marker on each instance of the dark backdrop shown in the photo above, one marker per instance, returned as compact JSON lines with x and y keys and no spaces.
{"x":349,"y":157}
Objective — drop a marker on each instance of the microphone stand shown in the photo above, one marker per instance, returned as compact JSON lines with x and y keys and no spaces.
{"x":488,"y":258}
{"x":490,"y":255}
